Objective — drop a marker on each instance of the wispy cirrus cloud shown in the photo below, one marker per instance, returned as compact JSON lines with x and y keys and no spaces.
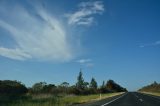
{"x":37,"y":34}
{"x":85,"y":14}
{"x":86,"y":62}
{"x":156,"y":43}
{"x":82,"y":61}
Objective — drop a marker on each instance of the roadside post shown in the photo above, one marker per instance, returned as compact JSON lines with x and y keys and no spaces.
{"x":100,"y":96}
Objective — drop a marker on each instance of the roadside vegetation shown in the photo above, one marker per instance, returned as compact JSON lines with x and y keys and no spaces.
{"x":14,"y":93}
{"x":153,"y":89}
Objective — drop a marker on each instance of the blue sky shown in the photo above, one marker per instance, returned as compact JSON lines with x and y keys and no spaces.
{"x":46,"y":40}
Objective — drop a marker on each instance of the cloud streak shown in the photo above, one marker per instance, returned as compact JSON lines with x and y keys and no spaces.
{"x":156,"y":43}
{"x":82,"y":61}
{"x":40,"y":36}
{"x":85,"y":14}
{"x":86,"y":62}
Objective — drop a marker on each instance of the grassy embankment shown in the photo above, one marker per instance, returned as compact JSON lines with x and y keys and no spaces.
{"x":152,"y":89}
{"x":152,"y":93}
{"x":49,"y":100}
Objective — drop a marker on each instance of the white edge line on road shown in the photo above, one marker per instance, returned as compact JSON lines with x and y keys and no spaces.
{"x":113,"y":100}
{"x":149,"y":95}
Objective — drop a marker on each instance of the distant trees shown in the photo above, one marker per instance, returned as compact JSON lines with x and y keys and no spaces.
{"x":114,"y":87}
{"x":80,"y":82}
{"x":65,"y":84}
{"x":80,"y":88}
{"x":103,"y":88}
{"x":154,"y":87}
{"x":81,"y":85}
{"x":93,"y":86}
{"x":8,"y":87}
{"x":110,"y":86}
{"x":38,"y":87}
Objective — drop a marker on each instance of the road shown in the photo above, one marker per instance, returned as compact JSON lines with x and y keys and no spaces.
{"x":128,"y":99}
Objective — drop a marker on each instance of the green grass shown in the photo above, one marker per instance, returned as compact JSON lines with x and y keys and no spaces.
{"x":88,"y":98}
{"x":50,"y":100}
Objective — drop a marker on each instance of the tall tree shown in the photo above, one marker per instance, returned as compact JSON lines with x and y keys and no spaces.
{"x":80,"y":81}
{"x":103,"y":84}
{"x":93,"y":84}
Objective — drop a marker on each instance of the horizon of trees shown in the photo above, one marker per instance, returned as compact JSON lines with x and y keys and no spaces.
{"x":153,"y":87}
{"x":80,"y":88}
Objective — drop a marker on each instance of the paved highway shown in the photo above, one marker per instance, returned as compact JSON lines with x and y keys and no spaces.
{"x":128,"y":99}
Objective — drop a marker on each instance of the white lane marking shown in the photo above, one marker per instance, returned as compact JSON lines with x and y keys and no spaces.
{"x":113,"y":100}
{"x":135,"y":95}
{"x":138,"y":98}
{"x":141,"y":100}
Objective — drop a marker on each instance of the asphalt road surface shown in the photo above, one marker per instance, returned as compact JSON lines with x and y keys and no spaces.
{"x":128,"y":99}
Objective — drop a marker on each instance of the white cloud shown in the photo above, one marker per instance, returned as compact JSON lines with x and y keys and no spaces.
{"x":156,"y":43}
{"x":90,"y":65}
{"x":14,"y":53}
{"x":84,"y":16}
{"x":38,"y":36}
{"x":82,"y":61}
{"x":86,"y":62}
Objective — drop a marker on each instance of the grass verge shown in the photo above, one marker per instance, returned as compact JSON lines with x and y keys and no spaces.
{"x":89,"y":98}
{"x":152,"y":93}
{"x":50,"y":100}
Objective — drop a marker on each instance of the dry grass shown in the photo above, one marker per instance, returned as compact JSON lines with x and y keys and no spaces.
{"x":88,"y":98}
{"x":152,"y":93}
{"x":50,"y":100}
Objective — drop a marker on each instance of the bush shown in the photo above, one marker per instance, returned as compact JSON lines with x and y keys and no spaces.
{"x":8,"y":87}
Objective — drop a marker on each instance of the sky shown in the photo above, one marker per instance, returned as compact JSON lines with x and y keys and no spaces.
{"x":49,"y":40}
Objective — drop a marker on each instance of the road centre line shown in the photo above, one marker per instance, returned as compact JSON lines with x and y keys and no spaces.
{"x":141,"y":100}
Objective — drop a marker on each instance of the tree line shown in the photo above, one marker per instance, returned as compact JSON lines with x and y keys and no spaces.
{"x":153,"y":87}
{"x":80,"y":88}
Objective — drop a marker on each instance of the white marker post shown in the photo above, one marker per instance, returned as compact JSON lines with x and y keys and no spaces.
{"x":100,"y":96}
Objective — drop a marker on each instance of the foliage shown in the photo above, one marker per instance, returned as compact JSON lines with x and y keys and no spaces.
{"x":93,"y":86}
{"x":154,"y":87}
{"x":114,"y":87}
{"x":8,"y":87}
{"x":80,"y":81}
{"x":51,"y":100}
{"x":81,"y":85}
{"x":41,"y":93}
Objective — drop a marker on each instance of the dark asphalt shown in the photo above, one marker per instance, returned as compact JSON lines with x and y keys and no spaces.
{"x":128,"y":99}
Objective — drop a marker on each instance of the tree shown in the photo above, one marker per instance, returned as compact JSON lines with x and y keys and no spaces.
{"x":103,"y":88}
{"x":63,"y":88}
{"x":38,"y":87}
{"x":154,"y":87}
{"x":65,"y":84}
{"x":93,"y":84}
{"x":80,"y":81}
{"x":103,"y":84}
{"x":81,"y":85}
{"x":114,"y":87}
{"x":49,"y":88}
{"x":12,"y":87}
